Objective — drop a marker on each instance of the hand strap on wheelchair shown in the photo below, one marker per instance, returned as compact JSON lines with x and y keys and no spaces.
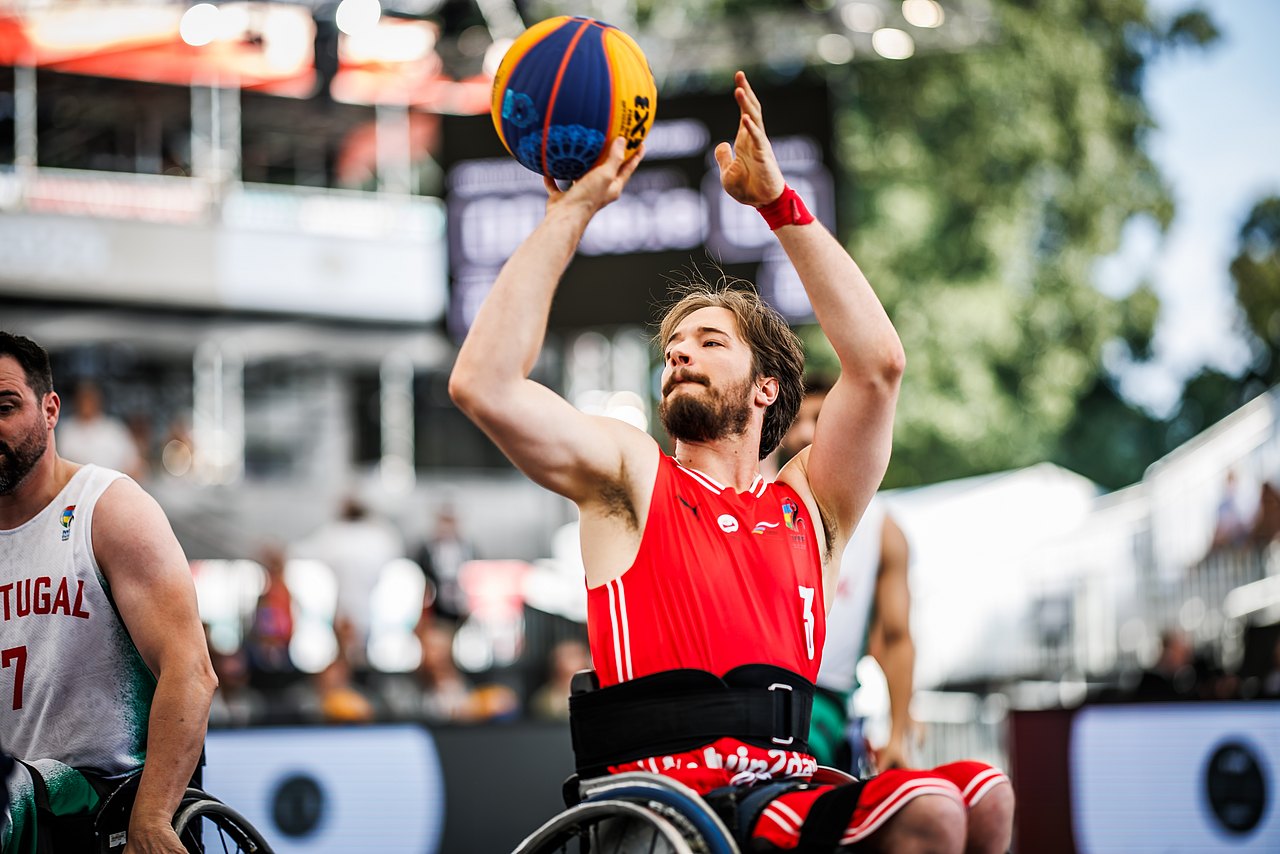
{"x":683,"y":709}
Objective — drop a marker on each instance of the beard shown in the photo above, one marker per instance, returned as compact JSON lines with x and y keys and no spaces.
{"x":17,"y":461}
{"x":705,"y":417}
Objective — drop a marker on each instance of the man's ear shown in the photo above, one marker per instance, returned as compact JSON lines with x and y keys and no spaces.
{"x":52,"y":406}
{"x":766,"y":390}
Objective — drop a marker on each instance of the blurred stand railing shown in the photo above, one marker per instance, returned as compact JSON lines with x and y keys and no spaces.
{"x":1096,"y":626}
{"x":953,"y":726}
{"x":1142,"y":561}
{"x":1197,"y":601}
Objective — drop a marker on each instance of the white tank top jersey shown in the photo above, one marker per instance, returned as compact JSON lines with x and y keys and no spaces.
{"x":73,"y":687}
{"x":849,"y":619}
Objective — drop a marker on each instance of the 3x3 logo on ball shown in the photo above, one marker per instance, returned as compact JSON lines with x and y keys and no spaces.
{"x":636,"y":124}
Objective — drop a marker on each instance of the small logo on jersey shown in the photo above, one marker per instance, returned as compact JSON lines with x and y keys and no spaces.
{"x":761,"y":527}
{"x":727,"y":523}
{"x":693,"y":507}
{"x":789,"y":514}
{"x":67,"y":515}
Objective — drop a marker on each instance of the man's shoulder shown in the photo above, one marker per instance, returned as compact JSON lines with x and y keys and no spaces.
{"x":123,"y":511}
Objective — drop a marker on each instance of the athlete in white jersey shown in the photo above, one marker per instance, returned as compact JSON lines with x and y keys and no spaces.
{"x":103,"y":664}
{"x":869,"y":613}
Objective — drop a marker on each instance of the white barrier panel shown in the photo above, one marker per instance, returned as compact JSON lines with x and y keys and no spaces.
{"x":318,"y":252}
{"x":332,"y":789}
{"x":1191,"y":777}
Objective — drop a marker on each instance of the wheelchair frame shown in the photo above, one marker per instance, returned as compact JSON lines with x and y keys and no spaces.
{"x":196,"y":807}
{"x":671,"y":812}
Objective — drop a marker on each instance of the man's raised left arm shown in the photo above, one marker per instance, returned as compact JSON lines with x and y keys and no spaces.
{"x":850,"y":451}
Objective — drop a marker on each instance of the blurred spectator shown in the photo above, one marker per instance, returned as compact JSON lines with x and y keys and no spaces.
{"x":331,"y":695}
{"x":493,"y":634}
{"x":142,"y":433}
{"x":1213,"y":682}
{"x":1270,"y":684}
{"x":1173,"y":676}
{"x":341,"y":702}
{"x":441,"y":558}
{"x":1266,"y":523}
{"x":235,"y":702}
{"x":356,"y":546}
{"x":551,"y":701}
{"x":1233,"y":524}
{"x":447,"y":695}
{"x":271,"y":629}
{"x":89,"y":435}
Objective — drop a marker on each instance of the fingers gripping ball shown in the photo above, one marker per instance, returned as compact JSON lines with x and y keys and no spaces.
{"x":565,"y":89}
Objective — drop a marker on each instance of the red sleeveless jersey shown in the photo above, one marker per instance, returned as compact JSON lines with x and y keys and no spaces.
{"x":722,"y":579}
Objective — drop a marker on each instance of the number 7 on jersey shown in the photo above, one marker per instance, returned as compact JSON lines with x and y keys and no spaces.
{"x":17,"y":656}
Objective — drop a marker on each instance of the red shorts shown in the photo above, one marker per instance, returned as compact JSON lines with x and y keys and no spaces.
{"x":729,"y":762}
{"x":882,"y":796}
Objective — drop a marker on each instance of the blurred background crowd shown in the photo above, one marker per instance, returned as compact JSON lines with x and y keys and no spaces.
{"x":252,"y":234}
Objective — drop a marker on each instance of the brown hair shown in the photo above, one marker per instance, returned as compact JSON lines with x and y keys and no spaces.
{"x":775,"y":350}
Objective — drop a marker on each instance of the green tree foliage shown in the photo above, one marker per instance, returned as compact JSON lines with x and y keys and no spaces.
{"x":1113,"y":442}
{"x":986,"y":184}
{"x":1110,"y":442}
{"x":1256,"y":271}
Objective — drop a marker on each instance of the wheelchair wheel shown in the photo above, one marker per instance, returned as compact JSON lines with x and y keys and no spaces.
{"x":608,"y":827}
{"x":205,"y":824}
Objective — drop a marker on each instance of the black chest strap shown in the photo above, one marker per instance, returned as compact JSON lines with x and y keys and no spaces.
{"x":680,"y":710}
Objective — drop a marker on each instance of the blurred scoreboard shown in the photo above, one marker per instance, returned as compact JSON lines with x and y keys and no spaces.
{"x":673,"y":216}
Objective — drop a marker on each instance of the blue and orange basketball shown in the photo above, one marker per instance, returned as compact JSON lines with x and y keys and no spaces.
{"x":566,"y":88}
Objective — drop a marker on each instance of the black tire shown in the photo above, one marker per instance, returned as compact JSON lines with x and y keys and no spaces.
{"x":222,"y":828}
{"x":607,"y":827}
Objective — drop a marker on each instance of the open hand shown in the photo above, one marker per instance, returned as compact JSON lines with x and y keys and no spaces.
{"x":748,"y":170}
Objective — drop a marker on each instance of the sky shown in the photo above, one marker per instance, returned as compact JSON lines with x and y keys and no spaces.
{"x":1218,"y":144}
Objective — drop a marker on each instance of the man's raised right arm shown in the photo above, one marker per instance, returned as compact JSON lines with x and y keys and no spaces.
{"x":553,"y":443}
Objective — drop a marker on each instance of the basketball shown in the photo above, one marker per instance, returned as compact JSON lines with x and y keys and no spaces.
{"x":566,"y":88}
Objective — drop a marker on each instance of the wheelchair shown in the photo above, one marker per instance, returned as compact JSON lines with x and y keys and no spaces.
{"x":202,"y":822}
{"x":633,"y":812}
{"x":641,"y":813}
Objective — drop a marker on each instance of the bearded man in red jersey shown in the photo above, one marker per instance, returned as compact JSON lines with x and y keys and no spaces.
{"x":706,"y":582}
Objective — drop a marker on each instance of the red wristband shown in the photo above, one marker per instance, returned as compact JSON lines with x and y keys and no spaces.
{"x":787,"y":209}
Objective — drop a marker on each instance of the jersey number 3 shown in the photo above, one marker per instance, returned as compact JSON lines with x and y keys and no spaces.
{"x":17,"y":656}
{"x":806,"y":597}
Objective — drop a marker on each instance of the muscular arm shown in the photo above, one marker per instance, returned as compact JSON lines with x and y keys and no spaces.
{"x":552,"y":442}
{"x":843,"y":467}
{"x":151,"y":584}
{"x":894,"y":649}
{"x":852,"y":439}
